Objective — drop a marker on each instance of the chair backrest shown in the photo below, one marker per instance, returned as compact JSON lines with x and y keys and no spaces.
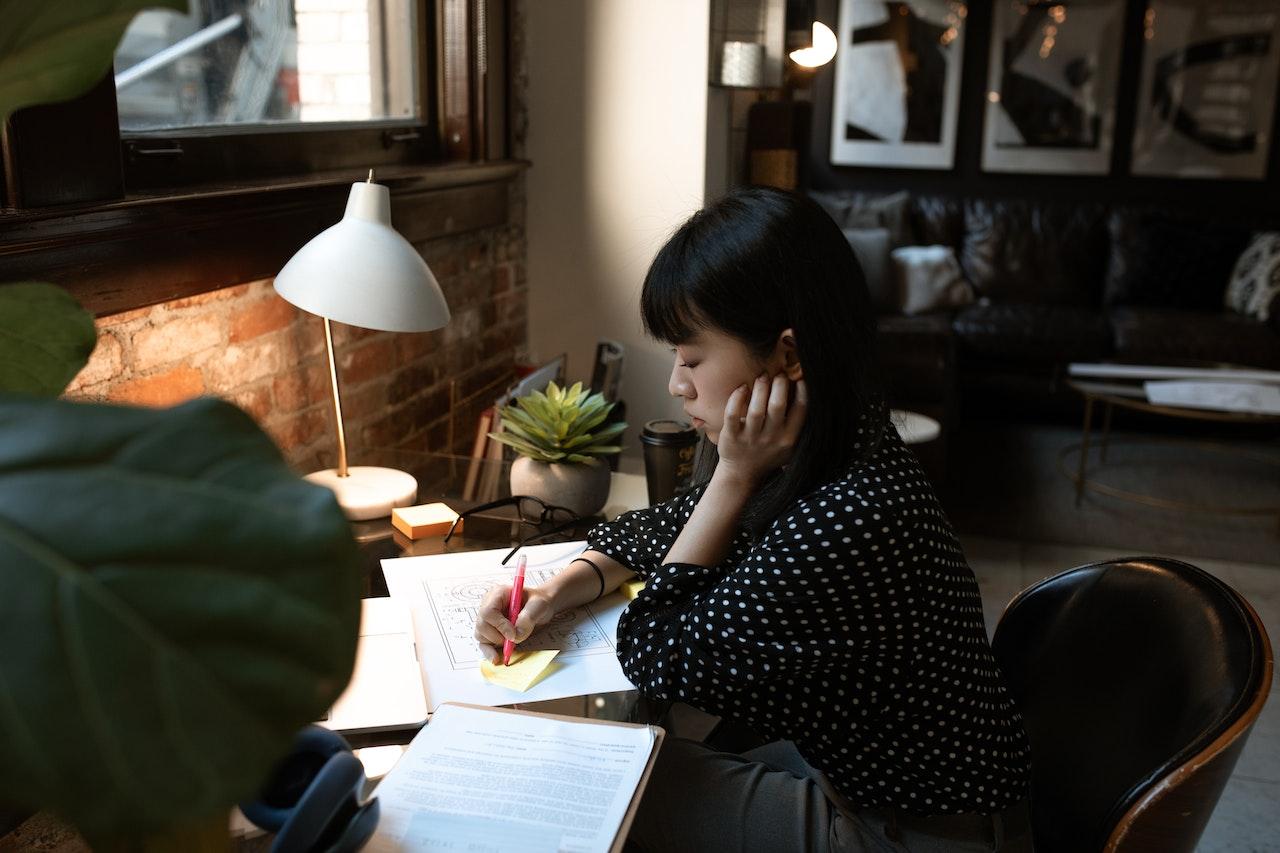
{"x":1138,"y":680}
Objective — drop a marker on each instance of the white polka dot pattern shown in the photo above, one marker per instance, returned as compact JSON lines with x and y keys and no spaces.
{"x":852,"y":626}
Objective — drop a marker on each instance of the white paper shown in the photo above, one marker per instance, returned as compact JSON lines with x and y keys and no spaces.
{"x":1219,"y":396}
{"x":1142,"y":371}
{"x":444,"y":592}
{"x":492,"y":781}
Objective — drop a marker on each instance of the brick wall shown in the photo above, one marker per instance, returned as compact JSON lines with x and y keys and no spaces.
{"x":247,"y":345}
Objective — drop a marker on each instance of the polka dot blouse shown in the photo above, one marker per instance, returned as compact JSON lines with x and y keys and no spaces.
{"x":852,"y":626}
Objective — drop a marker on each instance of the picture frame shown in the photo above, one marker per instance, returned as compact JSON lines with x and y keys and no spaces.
{"x":897,"y":87}
{"x":1052,"y":86}
{"x":1208,"y":89}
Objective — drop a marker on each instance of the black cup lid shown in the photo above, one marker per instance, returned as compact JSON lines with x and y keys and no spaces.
{"x":668,"y":432}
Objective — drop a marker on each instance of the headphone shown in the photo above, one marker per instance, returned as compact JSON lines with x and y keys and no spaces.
{"x":314,"y":798}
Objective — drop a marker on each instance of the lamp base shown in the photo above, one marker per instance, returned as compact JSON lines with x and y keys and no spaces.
{"x":368,"y":492}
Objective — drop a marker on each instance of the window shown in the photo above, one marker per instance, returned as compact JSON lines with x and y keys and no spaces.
{"x":225,"y":137}
{"x":230,"y":63}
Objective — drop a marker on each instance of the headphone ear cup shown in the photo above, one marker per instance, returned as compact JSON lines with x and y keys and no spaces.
{"x":292,"y":777}
{"x":330,"y":809}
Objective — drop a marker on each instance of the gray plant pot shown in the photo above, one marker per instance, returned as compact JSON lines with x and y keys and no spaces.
{"x":579,"y":487}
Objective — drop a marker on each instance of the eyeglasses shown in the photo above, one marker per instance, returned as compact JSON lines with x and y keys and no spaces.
{"x":533,"y":511}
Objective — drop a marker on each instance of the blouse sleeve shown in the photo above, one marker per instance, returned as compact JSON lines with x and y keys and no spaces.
{"x":640,"y":539}
{"x":733,"y":637}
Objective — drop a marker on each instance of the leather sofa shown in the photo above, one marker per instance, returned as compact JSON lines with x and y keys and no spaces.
{"x":1056,"y":283}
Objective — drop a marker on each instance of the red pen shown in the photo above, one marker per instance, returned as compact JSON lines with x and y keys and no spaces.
{"x":513,"y":610}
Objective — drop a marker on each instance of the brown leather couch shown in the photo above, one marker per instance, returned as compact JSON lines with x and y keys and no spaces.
{"x":1057,"y":283}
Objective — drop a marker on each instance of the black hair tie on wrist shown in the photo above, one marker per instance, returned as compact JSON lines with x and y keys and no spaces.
{"x":599,"y":574}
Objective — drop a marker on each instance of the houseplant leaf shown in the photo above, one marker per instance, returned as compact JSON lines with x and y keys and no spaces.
{"x":45,"y":338}
{"x":56,"y":51}
{"x":174,"y":604}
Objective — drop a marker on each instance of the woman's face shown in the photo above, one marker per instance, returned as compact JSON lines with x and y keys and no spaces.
{"x":707,"y":369}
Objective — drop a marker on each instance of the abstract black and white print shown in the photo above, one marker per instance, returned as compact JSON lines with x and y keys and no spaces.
{"x":897,"y":86}
{"x":1208,"y":88}
{"x":1051,"y":92}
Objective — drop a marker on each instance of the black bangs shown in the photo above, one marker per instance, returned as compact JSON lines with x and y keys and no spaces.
{"x":666,"y":308}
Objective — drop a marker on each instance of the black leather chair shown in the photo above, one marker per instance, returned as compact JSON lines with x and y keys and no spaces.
{"x":1139,"y":681}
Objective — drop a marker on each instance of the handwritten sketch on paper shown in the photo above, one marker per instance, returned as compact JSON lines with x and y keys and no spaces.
{"x":444,"y":593}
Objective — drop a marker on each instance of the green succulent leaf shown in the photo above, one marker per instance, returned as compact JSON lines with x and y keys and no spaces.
{"x":45,"y":338}
{"x":559,"y":424}
{"x":56,"y":51}
{"x":174,"y":604}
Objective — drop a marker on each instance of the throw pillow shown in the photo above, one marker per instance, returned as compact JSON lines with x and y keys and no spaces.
{"x":1255,"y":281}
{"x":891,"y":211}
{"x":871,"y":246}
{"x":1169,"y":263}
{"x":929,"y":279}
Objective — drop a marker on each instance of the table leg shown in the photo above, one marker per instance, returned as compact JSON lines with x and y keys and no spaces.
{"x":1084,"y":447}
{"x":1106,"y":431}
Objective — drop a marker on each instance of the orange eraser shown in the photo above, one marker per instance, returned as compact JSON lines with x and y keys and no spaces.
{"x":423,"y":520}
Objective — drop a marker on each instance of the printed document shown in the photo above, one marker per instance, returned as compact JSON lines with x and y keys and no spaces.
{"x":444,"y":592}
{"x":496,"y":780}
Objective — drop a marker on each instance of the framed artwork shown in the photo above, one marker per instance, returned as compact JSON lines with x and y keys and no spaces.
{"x":897,"y":89}
{"x":1208,"y":88}
{"x":1051,"y":90}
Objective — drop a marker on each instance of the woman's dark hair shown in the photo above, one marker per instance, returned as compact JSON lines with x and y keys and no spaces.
{"x":752,"y":264}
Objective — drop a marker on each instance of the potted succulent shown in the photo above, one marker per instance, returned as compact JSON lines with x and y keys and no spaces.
{"x":560,"y":436}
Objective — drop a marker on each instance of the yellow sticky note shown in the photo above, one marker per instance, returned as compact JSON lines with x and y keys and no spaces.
{"x":525,"y":669}
{"x":632,"y":588}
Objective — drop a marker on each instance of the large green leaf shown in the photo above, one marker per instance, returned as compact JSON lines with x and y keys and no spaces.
{"x":45,"y":338}
{"x":53,"y":51}
{"x":174,"y":605}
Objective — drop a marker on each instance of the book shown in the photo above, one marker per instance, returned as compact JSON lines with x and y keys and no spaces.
{"x":478,"y":452}
{"x":498,"y":779}
{"x":606,"y":375}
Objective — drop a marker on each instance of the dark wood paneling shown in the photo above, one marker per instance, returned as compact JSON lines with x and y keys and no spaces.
{"x":65,"y":153}
{"x":1254,"y":203}
{"x":140,"y":252}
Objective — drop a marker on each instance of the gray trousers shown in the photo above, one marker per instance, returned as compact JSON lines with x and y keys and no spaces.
{"x":770,"y":800}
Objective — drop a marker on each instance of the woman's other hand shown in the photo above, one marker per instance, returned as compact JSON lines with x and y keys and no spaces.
{"x":760,"y":428}
{"x":493,"y":627}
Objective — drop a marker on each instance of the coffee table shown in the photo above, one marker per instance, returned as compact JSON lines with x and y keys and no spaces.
{"x":1126,"y":392}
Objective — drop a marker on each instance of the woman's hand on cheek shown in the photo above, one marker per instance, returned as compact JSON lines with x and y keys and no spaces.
{"x":760,"y":429}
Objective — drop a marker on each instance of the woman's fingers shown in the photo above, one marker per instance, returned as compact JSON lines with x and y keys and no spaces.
{"x":777,"y":406}
{"x":735,"y":409}
{"x":493,"y":612}
{"x":490,"y":653}
{"x":799,"y":406}
{"x":535,"y":613}
{"x":758,"y":408}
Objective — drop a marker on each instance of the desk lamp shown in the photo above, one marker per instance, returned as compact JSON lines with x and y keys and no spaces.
{"x":362,"y":273}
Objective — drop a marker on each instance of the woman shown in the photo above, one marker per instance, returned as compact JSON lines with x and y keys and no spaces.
{"x":811,"y":587}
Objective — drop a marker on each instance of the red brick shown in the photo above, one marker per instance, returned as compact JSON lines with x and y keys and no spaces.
{"x":302,"y":428}
{"x":174,"y":339}
{"x":364,"y":362}
{"x":502,"y":280}
{"x":232,"y":367}
{"x":125,"y":317}
{"x":344,"y":334}
{"x":260,"y":317}
{"x":256,"y":401}
{"x":477,"y":255}
{"x":106,"y":363}
{"x":359,"y":404}
{"x":162,"y":389}
{"x":299,"y":387}
{"x":211,"y":296}
{"x":412,"y":346}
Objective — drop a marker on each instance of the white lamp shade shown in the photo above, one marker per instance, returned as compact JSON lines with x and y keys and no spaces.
{"x":362,"y":273}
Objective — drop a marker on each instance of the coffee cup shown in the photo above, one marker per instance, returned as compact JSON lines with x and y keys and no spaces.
{"x":669,"y":447}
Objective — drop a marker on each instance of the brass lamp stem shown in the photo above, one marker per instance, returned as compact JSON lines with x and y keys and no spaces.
{"x":337,"y":402}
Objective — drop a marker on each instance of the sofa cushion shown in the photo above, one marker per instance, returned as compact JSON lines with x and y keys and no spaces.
{"x":938,"y":221}
{"x":1160,"y":262}
{"x":1153,"y":334}
{"x":871,"y":247}
{"x":1053,"y":333}
{"x":867,"y":210}
{"x":929,"y":279}
{"x":1017,"y":251}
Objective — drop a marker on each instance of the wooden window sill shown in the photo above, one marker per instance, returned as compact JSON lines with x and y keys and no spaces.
{"x":147,"y":249}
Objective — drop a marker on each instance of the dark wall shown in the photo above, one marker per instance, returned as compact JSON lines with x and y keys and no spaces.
{"x":1255,"y":203}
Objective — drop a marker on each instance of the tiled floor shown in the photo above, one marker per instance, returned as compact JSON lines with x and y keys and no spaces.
{"x":1247,"y":818}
